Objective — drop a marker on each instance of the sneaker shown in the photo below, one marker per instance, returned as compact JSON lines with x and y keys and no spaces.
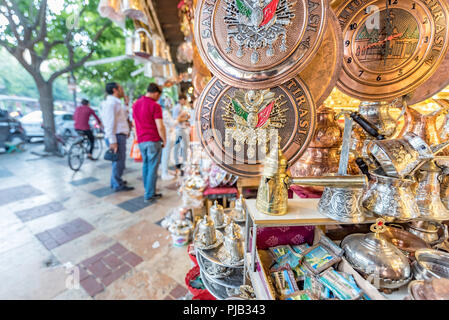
{"x":167,"y":177}
{"x":150,"y":200}
{"x":125,"y":188}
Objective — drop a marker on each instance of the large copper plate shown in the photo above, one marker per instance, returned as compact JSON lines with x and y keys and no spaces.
{"x":322,"y":73}
{"x":391,"y":52}
{"x":243,"y":47}
{"x":437,"y":82}
{"x":292,"y":114}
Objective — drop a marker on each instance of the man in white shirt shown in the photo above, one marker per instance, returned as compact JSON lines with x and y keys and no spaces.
{"x":116,"y":128}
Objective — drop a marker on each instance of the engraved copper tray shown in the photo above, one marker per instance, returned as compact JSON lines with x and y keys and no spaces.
{"x":226,"y":115}
{"x":258,"y":44}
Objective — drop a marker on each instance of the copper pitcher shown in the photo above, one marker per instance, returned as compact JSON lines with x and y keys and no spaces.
{"x":323,"y":154}
{"x":423,"y":125}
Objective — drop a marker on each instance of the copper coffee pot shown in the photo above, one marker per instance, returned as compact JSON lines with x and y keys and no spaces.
{"x":322,"y":156}
{"x":423,"y":125}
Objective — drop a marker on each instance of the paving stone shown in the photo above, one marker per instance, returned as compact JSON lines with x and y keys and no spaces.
{"x":112,"y":261}
{"x":104,"y":166}
{"x":132,"y":258}
{"x":99,"y":269}
{"x":39,"y":211}
{"x":83,"y":273}
{"x":95,"y":258}
{"x":18,"y":193}
{"x":65,"y":233}
{"x":84,"y":181}
{"x":178,"y":292}
{"x":118,"y":249}
{"x":115,"y":275}
{"x":91,"y":286}
{"x":134,"y":205}
{"x":103,"y":192}
{"x":50,"y":244}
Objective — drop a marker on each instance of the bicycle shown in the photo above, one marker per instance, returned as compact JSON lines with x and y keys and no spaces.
{"x":80,"y":148}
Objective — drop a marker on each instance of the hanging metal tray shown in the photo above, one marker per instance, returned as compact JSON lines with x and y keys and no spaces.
{"x":232,"y":279}
{"x":218,"y":291}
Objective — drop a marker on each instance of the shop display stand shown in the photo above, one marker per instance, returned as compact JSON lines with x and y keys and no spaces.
{"x":301,"y":212}
{"x":220,"y":288}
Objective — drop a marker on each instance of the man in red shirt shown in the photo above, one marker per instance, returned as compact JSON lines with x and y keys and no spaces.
{"x":81,"y":116}
{"x":150,"y":131}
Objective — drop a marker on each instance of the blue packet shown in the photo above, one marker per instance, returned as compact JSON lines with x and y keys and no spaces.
{"x":339,"y":285}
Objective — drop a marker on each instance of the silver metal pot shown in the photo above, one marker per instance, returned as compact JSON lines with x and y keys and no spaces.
{"x":342,"y":204}
{"x":390,"y":198}
{"x":400,"y":157}
{"x":431,"y":264}
{"x":216,"y":213}
{"x":431,"y":232}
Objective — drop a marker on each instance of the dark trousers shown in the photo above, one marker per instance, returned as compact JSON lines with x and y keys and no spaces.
{"x":118,"y":166}
{"x":90,"y":136}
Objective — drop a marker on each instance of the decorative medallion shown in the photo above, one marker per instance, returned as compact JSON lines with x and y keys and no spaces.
{"x":237,"y":126}
{"x":391,"y":47}
{"x":258,"y":44}
{"x":322,"y":73}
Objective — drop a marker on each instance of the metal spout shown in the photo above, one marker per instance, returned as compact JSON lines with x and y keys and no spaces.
{"x":359,"y":181}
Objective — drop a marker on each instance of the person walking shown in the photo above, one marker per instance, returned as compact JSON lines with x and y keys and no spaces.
{"x":151,"y":137}
{"x":116,"y":128}
{"x":81,"y":117}
{"x":182,"y":131}
{"x":169,"y":124}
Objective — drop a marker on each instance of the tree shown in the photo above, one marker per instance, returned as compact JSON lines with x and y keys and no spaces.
{"x":64,"y":35}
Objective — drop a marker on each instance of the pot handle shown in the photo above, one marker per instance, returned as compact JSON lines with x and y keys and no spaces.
{"x":404,"y":107}
{"x":363,"y":167}
{"x":367,"y":126}
{"x":397,"y":226}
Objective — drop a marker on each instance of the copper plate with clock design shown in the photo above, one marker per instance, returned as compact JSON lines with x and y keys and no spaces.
{"x":322,"y":73}
{"x":391,"y":47}
{"x":237,"y":125}
{"x":258,"y":44}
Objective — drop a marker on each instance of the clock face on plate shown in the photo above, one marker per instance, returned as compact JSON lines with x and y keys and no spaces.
{"x":391,"y":47}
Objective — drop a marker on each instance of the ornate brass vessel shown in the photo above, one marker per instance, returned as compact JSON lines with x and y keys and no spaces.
{"x":433,"y":289}
{"x":272,"y":196}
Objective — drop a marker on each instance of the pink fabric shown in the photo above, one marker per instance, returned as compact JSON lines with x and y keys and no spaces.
{"x":220,"y":190}
{"x":81,"y":117}
{"x":305,"y":193}
{"x":275,"y":236}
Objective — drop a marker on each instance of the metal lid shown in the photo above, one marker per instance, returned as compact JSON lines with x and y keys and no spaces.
{"x":373,"y":255}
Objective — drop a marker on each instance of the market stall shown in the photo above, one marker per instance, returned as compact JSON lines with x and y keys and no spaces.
{"x":337,"y":119}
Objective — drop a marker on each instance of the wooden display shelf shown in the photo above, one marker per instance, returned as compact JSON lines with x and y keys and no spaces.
{"x":301,"y":212}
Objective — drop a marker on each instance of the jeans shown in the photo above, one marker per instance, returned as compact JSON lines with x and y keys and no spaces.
{"x":165,"y":161}
{"x":118,"y":166}
{"x":181,"y":145}
{"x":90,"y":136}
{"x":151,"y":157}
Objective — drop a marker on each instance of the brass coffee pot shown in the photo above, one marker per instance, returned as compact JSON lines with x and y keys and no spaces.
{"x":272,"y":196}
